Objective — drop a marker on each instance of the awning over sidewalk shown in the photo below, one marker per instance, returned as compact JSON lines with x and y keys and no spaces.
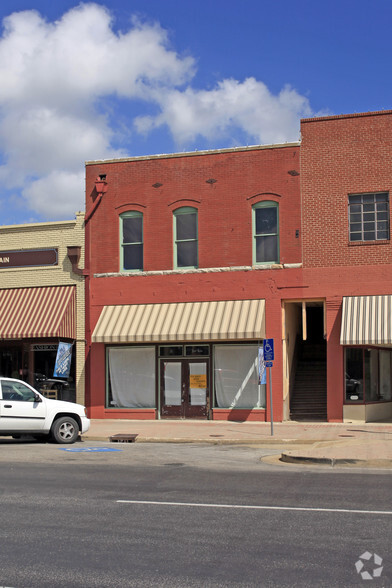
{"x":366,"y":320}
{"x":186,"y":321}
{"x":37,"y":312}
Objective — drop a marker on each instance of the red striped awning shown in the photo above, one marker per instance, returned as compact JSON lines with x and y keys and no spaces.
{"x":37,"y":312}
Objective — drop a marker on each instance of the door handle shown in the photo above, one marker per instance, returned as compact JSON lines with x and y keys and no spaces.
{"x":7,"y":405}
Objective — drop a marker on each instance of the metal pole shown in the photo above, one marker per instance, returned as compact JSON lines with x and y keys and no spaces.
{"x":271,"y":408}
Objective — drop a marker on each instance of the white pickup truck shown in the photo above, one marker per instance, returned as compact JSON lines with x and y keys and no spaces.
{"x":24,"y":411}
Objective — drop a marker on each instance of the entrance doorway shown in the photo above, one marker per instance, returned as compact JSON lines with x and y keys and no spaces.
{"x":184,"y":388}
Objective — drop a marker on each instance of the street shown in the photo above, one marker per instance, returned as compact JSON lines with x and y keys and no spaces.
{"x":118,"y":515}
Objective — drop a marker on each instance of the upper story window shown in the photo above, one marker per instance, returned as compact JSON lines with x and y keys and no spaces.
{"x":185,"y":237}
{"x":266,"y":232}
{"x":131,"y":240}
{"x":368,"y":216}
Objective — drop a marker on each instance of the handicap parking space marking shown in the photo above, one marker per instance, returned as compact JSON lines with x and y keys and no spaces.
{"x":89,"y":449}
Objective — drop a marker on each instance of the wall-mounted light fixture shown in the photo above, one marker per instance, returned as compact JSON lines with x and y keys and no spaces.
{"x":293,"y":172}
{"x":157,"y":185}
{"x":211,"y":181}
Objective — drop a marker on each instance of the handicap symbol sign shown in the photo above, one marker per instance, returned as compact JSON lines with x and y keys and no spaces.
{"x":268,"y":346}
{"x":89,"y":449}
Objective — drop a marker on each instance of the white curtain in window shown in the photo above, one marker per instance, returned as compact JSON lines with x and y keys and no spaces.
{"x":132,"y":376}
{"x":385,"y":375}
{"x":236,"y":377}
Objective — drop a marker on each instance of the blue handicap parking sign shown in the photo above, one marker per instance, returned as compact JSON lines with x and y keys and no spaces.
{"x":268,"y":347}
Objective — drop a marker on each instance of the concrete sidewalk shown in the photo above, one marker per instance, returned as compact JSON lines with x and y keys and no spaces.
{"x":332,"y":444}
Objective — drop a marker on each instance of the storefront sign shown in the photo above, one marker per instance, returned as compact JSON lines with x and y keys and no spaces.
{"x":48,"y":347}
{"x":28,"y":258}
{"x":63,"y":360}
{"x":198,"y":381}
{"x":262,"y":370}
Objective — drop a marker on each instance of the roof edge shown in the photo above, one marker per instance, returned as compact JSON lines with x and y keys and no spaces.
{"x":342,"y":116}
{"x":195,"y":153}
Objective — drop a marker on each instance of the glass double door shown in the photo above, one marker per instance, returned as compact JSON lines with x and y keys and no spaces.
{"x":184,"y":388}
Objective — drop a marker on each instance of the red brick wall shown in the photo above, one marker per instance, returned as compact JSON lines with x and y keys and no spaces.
{"x":339,"y":156}
{"x":224,"y":207}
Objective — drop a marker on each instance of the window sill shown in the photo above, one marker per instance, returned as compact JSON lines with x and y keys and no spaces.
{"x":362,"y":243}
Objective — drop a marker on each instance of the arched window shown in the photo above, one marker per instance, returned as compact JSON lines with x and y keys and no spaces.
{"x":131,"y":241}
{"x":185,"y":237}
{"x":266,"y":232}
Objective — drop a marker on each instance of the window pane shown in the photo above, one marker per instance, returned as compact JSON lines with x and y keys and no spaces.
{"x":355,"y":236}
{"x":198,"y":384}
{"x":382,"y":206}
{"x":172,"y":383}
{"x":132,"y":229}
{"x":133,"y":257}
{"x":236,"y":377}
{"x":369,"y":236}
{"x":368,"y":198}
{"x":382,"y":215}
{"x":356,"y":227}
{"x":382,"y":235}
{"x":187,"y":254}
{"x":369,"y":216}
{"x":354,"y":199}
{"x":354,"y":375}
{"x":382,"y":197}
{"x":385,"y":375}
{"x":371,"y":375}
{"x":368,"y":207}
{"x":266,"y":249}
{"x":170,"y":351}
{"x":266,"y":221}
{"x":382,"y":226}
{"x":186,"y":226}
{"x":132,"y":377}
{"x":355,"y":217}
{"x":355,"y":208}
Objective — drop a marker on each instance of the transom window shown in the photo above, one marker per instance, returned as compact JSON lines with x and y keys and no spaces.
{"x":185,"y":237}
{"x":266,"y":232}
{"x":368,"y":216}
{"x":131,"y":239}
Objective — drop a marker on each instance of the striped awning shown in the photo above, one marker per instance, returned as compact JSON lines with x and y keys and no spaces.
{"x":183,"y":321}
{"x":366,"y":320}
{"x":37,"y":312}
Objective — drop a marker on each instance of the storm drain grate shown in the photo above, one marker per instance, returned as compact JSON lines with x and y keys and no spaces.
{"x":123,"y":438}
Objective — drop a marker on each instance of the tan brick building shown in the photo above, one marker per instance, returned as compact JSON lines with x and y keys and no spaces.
{"x":42,"y":303}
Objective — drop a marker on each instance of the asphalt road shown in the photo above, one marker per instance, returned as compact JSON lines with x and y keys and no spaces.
{"x":187,"y":516}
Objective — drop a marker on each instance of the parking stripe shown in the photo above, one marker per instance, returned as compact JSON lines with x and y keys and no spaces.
{"x":257,"y":507}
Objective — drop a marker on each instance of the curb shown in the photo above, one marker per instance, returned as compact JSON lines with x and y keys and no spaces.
{"x":213,"y":441}
{"x":335,"y":461}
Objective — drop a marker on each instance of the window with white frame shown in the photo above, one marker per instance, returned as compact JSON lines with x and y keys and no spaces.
{"x":266,"y":232}
{"x":185,"y":237}
{"x":368,"y":216}
{"x":131,"y":241}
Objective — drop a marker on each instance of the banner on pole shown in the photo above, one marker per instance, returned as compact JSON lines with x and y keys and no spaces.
{"x":63,"y":360}
{"x":262,"y":370}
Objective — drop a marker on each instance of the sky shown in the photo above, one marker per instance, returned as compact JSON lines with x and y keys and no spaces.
{"x":123,"y":78}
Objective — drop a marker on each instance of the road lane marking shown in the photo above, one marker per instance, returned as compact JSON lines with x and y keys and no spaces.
{"x":257,"y":507}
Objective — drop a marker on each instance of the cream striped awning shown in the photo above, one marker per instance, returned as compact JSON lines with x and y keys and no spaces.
{"x":183,"y":321}
{"x":37,"y":312}
{"x":366,"y":320}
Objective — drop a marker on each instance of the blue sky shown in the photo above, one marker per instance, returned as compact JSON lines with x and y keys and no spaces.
{"x":124,"y":78}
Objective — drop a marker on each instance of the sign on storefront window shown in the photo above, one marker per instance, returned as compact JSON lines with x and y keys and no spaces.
{"x":63,"y":360}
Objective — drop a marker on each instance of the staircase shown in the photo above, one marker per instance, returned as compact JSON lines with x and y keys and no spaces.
{"x":309,"y":398}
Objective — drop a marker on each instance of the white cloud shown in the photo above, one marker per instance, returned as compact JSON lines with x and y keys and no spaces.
{"x":53,"y":76}
{"x":59,"y":79}
{"x":248,"y":106}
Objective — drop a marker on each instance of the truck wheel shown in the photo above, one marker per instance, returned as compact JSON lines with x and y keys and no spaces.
{"x":65,"y":430}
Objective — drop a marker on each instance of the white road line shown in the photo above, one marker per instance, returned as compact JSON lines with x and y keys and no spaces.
{"x":257,"y":507}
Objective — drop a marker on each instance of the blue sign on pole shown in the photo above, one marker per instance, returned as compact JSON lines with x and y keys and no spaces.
{"x":269,"y":364}
{"x":268,"y":347}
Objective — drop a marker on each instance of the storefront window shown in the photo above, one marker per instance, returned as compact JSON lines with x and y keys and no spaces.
{"x":368,"y":375}
{"x":131,"y":376}
{"x":236,"y":377}
{"x":354,"y":375}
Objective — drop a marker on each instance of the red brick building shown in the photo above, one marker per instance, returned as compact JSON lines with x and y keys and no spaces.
{"x":195,"y":258}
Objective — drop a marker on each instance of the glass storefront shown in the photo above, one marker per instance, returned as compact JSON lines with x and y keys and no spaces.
{"x":178,"y":378}
{"x":34,"y":363}
{"x":368,"y":375}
